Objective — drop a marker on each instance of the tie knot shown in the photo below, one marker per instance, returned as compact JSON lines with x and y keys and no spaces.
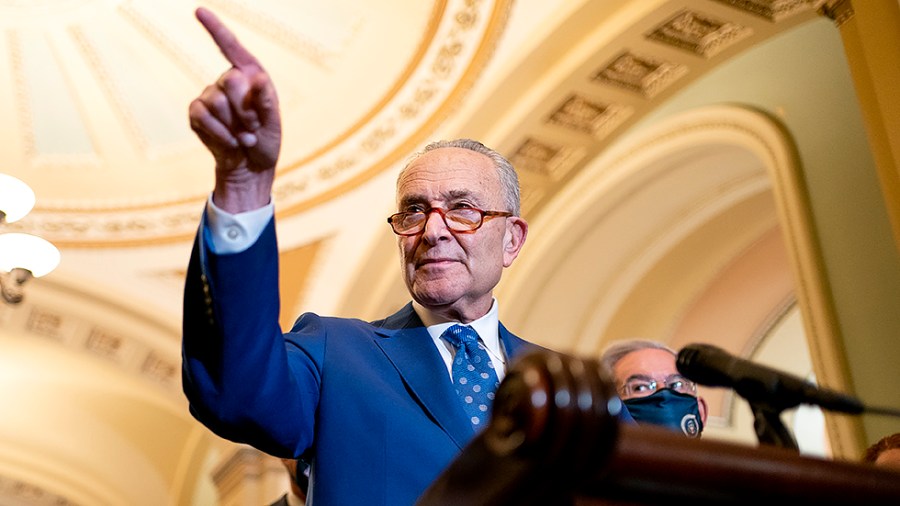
{"x":461,"y":335}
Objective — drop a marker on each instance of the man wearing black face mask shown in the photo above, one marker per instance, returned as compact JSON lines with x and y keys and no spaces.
{"x":652,"y":388}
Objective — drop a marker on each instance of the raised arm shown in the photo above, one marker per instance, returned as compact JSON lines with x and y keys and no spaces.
{"x":238,"y":120}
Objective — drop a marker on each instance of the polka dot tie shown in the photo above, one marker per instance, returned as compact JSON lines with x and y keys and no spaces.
{"x":473,"y":374}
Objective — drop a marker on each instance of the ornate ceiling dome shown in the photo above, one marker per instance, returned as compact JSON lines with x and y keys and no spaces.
{"x":95,"y":96}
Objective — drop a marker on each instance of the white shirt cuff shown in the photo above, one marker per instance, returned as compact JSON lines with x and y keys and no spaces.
{"x":234,"y":233}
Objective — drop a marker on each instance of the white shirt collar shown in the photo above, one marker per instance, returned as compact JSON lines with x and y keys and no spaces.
{"x":488,"y":328}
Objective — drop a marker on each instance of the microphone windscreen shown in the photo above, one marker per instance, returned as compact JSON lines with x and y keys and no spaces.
{"x":704,"y":364}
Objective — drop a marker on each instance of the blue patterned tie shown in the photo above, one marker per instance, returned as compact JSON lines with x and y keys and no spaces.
{"x":473,"y":374}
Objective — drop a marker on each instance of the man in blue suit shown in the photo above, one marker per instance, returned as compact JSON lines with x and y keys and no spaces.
{"x":372,"y":406}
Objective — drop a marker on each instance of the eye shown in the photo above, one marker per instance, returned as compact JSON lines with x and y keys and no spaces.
{"x":415,"y":208}
{"x":640,"y":387}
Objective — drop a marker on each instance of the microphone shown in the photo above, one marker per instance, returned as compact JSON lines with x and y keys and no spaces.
{"x":759,"y":385}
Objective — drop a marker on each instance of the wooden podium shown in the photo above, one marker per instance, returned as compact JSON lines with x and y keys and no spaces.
{"x":554,"y":439}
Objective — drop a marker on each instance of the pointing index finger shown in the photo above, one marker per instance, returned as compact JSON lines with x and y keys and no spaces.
{"x":228,"y":43}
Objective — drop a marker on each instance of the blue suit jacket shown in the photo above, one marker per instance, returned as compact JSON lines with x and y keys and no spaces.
{"x":371,"y":405}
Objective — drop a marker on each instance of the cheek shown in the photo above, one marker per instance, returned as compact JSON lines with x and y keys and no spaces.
{"x":406,"y":246}
{"x":485,"y":257}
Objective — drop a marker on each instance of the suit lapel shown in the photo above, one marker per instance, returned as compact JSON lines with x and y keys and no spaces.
{"x":514,"y":345}
{"x":411,"y":350}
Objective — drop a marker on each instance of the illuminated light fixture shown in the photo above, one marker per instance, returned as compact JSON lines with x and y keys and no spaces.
{"x":16,"y":199}
{"x":22,"y":256}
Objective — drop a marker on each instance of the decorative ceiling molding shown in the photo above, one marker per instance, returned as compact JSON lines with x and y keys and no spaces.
{"x":641,"y":74}
{"x":445,"y":48}
{"x":16,"y":491}
{"x":699,"y":33}
{"x":648,"y":62}
{"x":129,"y":345}
{"x":456,"y":41}
{"x":773,"y":10}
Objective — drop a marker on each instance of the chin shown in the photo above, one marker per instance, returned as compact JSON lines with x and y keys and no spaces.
{"x":433,"y":296}
{"x":431,"y":302}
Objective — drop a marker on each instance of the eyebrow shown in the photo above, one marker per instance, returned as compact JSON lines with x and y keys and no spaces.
{"x":640,"y":377}
{"x":675,"y":375}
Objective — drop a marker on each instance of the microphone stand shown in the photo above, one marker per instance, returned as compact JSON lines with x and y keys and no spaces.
{"x":769,"y":427}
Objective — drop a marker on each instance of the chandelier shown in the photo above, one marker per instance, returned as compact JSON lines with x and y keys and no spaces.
{"x":22,"y":256}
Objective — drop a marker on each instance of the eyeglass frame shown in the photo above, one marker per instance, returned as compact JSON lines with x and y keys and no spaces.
{"x":653,"y":383}
{"x":484,"y":216}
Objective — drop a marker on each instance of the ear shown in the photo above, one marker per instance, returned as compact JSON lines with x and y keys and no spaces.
{"x":513,"y":238}
{"x":701,"y":406}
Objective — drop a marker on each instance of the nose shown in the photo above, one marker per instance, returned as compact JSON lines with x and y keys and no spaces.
{"x":435,"y":225}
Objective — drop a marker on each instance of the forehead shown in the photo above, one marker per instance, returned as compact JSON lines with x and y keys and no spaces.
{"x":447,"y":173}
{"x":648,"y":362}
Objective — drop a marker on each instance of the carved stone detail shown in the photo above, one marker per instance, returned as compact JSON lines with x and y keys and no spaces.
{"x":155,"y":367}
{"x":45,"y":323}
{"x":581,"y":114}
{"x":699,"y":33}
{"x":773,"y":10}
{"x":104,"y":343}
{"x":128,"y":352}
{"x":14,"y":491}
{"x":641,"y":74}
{"x":543,"y":158}
{"x":839,"y":11}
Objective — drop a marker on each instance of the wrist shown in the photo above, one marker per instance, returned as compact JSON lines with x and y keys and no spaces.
{"x":236,"y":197}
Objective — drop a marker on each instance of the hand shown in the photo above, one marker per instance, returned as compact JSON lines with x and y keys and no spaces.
{"x":238,"y":120}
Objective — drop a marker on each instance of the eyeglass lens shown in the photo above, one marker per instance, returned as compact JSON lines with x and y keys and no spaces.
{"x":642,"y":387}
{"x":460,"y":220}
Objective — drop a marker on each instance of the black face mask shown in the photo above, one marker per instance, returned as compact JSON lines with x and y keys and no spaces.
{"x":667,"y":408}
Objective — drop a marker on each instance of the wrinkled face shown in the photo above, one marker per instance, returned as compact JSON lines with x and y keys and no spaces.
{"x":650,"y":364}
{"x":647,"y":363}
{"x":454,"y":273}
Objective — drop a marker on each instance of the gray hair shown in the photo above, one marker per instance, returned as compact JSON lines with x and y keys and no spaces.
{"x":509,"y":180}
{"x":618,"y":349}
